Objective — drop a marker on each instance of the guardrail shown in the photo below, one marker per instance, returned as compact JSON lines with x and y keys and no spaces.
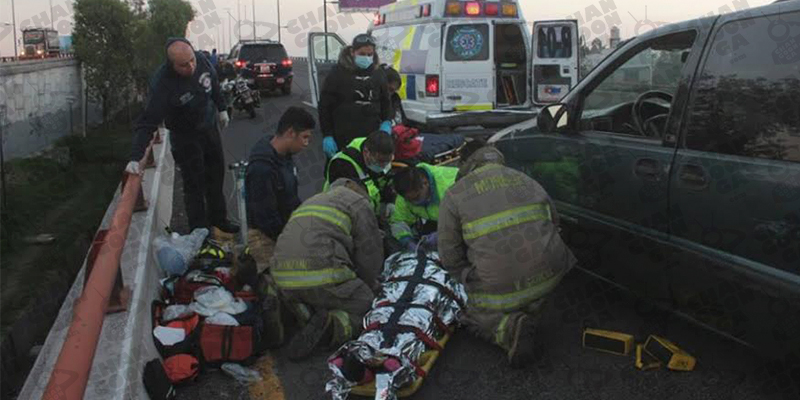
{"x":89,"y":354}
{"x":17,"y":59}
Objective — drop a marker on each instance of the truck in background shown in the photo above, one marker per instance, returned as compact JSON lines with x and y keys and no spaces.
{"x":39,"y":43}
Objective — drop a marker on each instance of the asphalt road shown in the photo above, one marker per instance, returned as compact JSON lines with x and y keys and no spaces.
{"x":472,"y":369}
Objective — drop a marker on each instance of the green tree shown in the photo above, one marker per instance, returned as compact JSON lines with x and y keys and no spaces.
{"x":102,"y":37}
{"x":163,"y":19}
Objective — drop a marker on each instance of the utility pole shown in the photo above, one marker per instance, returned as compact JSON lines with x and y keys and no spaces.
{"x":254,"y":19}
{"x":230,"y":29}
{"x":239,"y":18}
{"x":279,"y":20}
{"x":14,"y":23}
{"x":325,"y":17}
{"x":51,"y":15}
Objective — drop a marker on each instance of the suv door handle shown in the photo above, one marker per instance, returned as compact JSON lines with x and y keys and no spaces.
{"x":693,"y":176}
{"x":648,"y":169}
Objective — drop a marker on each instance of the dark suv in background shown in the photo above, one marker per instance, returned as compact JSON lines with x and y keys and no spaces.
{"x":675,"y":167}
{"x":264,"y":63}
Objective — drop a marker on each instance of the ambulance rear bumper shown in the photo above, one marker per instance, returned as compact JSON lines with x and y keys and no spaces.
{"x":486,"y":119}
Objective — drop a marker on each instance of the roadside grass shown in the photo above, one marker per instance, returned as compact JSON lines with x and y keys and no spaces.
{"x":65,"y":200}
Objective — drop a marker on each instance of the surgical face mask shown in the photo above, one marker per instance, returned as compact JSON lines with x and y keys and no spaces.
{"x":380,"y":170}
{"x":363,"y":62}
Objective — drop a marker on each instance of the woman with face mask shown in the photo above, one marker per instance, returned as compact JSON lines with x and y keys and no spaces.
{"x":354,"y":100}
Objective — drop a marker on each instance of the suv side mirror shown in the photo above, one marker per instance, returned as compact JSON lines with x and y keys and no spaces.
{"x":552,"y":118}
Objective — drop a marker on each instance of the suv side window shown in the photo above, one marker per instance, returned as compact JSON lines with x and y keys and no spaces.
{"x":746,"y":102}
{"x":655,"y":66}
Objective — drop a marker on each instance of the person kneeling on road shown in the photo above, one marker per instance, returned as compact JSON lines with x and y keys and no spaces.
{"x":271,"y":182}
{"x":326,"y":264}
{"x":416,"y":210}
{"x":488,"y":206}
{"x":185,"y":95}
{"x":366,"y":160}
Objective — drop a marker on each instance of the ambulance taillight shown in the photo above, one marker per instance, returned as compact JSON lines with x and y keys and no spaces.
{"x":509,"y":10}
{"x":432,"y":85}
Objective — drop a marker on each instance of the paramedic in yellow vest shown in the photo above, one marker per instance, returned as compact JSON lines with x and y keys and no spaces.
{"x":367,"y":160}
{"x":326,"y":264}
{"x":498,"y":234}
{"x":419,"y":189}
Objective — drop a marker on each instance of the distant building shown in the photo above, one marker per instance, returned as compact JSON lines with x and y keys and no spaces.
{"x":615,"y":38}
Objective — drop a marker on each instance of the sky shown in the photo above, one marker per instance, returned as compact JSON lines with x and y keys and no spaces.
{"x":213,"y":23}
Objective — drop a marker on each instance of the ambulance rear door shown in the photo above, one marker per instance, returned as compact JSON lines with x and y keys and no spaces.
{"x":323,"y":55}
{"x":555,"y":60}
{"x":467,"y":66}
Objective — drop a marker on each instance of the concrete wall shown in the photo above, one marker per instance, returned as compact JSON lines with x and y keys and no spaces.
{"x":34,"y":104}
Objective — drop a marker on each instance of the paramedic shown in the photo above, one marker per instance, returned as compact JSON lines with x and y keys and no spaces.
{"x":498,"y":234}
{"x":416,"y":210}
{"x":354,"y":100}
{"x":185,"y":95}
{"x":326,"y":265}
{"x":271,"y":182}
{"x":367,"y":160}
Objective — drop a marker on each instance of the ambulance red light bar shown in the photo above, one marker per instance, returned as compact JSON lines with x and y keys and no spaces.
{"x":491,"y":9}
{"x":473,"y":8}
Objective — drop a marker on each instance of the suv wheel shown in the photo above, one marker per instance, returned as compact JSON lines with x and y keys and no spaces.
{"x":286,"y":89}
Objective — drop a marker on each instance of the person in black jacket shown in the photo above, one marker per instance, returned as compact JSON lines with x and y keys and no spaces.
{"x":271,"y":182}
{"x":354,"y":101}
{"x":393,"y":82}
{"x":185,"y":95}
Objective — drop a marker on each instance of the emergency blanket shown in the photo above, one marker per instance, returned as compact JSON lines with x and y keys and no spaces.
{"x":418,"y":304}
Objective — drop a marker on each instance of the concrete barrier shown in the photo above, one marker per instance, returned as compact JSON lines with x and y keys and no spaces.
{"x":125,"y":343}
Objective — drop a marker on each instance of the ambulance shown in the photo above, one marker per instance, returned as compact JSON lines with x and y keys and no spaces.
{"x":474,"y":63}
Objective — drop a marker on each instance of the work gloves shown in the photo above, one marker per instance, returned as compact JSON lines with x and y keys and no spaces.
{"x":329,"y":146}
{"x":431,"y":241}
{"x":223,"y":119}
{"x":133,"y":168}
{"x":386,"y":126}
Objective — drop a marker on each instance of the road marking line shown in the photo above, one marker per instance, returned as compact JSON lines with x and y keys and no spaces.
{"x":270,"y":388}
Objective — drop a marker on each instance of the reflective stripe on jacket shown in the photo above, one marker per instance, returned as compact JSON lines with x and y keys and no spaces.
{"x":373,"y":187}
{"x":405,"y":214}
{"x":497,"y":234}
{"x":331,"y":238}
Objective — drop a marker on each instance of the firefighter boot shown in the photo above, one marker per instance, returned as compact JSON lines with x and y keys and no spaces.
{"x":317,"y":331}
{"x":522,"y":351}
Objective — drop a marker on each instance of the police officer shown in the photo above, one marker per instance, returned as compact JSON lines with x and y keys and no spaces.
{"x":185,"y":95}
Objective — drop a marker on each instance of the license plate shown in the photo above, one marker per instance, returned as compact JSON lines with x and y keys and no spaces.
{"x":265,"y":75}
{"x":280,"y":80}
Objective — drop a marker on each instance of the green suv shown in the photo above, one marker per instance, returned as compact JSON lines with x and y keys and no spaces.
{"x":675,"y":165}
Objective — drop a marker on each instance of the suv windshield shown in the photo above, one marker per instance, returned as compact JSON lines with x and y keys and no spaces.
{"x":262,"y":52}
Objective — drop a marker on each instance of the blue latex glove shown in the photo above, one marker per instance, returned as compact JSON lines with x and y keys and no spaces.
{"x":409,"y":244}
{"x":431,"y":241}
{"x":386,"y":126}
{"x":329,"y":146}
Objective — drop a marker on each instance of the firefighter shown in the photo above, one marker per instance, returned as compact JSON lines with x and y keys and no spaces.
{"x":368,"y":160}
{"x":420,"y":189}
{"x":498,"y":234}
{"x":326,"y":265}
{"x":185,"y":95}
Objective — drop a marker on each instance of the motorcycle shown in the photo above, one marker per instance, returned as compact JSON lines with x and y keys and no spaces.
{"x":240,"y":97}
